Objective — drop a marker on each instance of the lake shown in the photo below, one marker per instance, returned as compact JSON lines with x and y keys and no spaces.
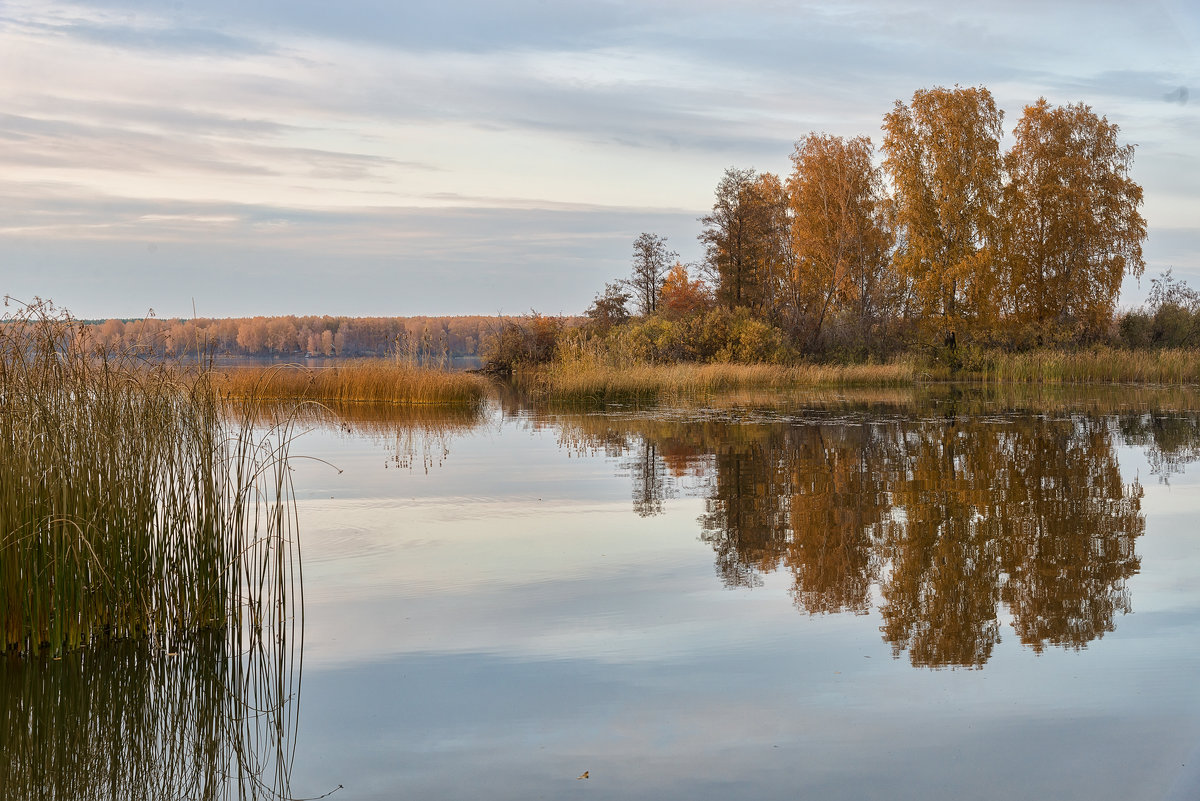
{"x":937,"y":593}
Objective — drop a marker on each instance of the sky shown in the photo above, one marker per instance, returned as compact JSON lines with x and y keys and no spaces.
{"x":376,"y":157}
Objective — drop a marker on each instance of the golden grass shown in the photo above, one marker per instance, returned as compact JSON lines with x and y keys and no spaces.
{"x":592,"y":380}
{"x":1098,"y":366}
{"x":587,"y":378}
{"x":358,"y":381}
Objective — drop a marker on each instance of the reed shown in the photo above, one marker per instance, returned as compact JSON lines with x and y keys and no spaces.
{"x":358,"y":381}
{"x":1100,"y":365}
{"x":585,"y":376}
{"x":363,"y":380}
{"x":132,"y":505}
{"x":586,"y":379}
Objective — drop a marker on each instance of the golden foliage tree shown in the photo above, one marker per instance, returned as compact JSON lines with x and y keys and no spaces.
{"x":1072,"y":227}
{"x":942,"y":154}
{"x":681,"y":296}
{"x":839,"y":244}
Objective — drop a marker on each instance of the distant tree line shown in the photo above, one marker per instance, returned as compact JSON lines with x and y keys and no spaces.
{"x":422,"y":339}
{"x":940,"y":239}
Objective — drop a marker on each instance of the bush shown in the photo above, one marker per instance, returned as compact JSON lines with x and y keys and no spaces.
{"x":716,"y":335}
{"x":751,"y":340}
{"x":529,"y":341}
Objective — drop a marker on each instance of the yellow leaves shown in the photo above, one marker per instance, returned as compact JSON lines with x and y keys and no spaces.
{"x":942,"y":155}
{"x":964,"y":241}
{"x":837,"y":238}
{"x":1072,"y":227}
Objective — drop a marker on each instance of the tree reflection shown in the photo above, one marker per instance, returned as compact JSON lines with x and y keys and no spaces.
{"x":949,"y":522}
{"x":1032,"y":513}
{"x":1067,"y":535}
{"x":1171,"y":441}
{"x":649,"y":472}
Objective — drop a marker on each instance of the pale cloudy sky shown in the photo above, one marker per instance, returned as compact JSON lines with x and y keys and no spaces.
{"x":484,"y":156}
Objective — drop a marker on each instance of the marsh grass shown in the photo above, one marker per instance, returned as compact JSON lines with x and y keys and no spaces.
{"x":592,"y":380}
{"x":132,"y":505}
{"x":588,"y":377}
{"x":1100,"y":365}
{"x":358,"y":381}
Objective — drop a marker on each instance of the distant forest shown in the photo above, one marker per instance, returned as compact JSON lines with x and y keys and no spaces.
{"x":423,"y":339}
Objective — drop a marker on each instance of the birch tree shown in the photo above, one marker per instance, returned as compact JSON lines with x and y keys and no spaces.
{"x":942,"y":156}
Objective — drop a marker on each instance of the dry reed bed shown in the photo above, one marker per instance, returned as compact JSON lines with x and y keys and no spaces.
{"x":592,"y":381}
{"x":131,"y":503}
{"x":1103,"y":365}
{"x":359,"y":381}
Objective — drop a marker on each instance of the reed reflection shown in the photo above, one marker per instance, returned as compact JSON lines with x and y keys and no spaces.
{"x":413,"y":436}
{"x":122,"y":720}
{"x":945,"y":523}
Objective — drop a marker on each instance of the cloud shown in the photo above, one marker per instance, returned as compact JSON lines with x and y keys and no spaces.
{"x":113,"y":256}
{"x":283,"y":117}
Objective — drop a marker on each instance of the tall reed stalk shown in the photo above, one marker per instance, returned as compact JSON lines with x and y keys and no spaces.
{"x":131,"y":504}
{"x":1101,"y":365}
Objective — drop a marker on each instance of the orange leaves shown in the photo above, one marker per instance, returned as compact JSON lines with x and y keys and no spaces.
{"x":680,"y":296}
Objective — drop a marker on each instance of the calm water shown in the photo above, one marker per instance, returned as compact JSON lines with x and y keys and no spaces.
{"x":935,"y":594}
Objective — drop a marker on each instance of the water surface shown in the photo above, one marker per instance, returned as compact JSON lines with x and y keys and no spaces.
{"x":939,"y":593}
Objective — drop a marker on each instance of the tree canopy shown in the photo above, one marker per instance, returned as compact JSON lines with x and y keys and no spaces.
{"x":941,"y":238}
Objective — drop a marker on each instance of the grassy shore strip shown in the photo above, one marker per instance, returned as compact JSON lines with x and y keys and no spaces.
{"x":598,"y":382}
{"x":592,"y":380}
{"x":359,"y":381}
{"x":1099,"y":366}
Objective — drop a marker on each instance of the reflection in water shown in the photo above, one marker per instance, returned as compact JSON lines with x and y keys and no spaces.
{"x":948,"y":510}
{"x":413,"y":436}
{"x":121,"y":720}
{"x":1033,"y":513}
{"x":946,"y":523}
{"x":1170,"y":440}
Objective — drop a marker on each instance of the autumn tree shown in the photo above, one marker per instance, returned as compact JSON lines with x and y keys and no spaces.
{"x":776,"y":259}
{"x":609,"y":307}
{"x":252,"y":335}
{"x":736,"y":236}
{"x":837,"y":235}
{"x":651,"y":260}
{"x":942,"y":155}
{"x":1072,"y":227}
{"x":682,"y":296}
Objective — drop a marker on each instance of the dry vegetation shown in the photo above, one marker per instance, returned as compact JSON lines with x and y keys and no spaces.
{"x":584,"y":380}
{"x":359,"y":381}
{"x":1099,"y":366}
{"x":589,"y":378}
